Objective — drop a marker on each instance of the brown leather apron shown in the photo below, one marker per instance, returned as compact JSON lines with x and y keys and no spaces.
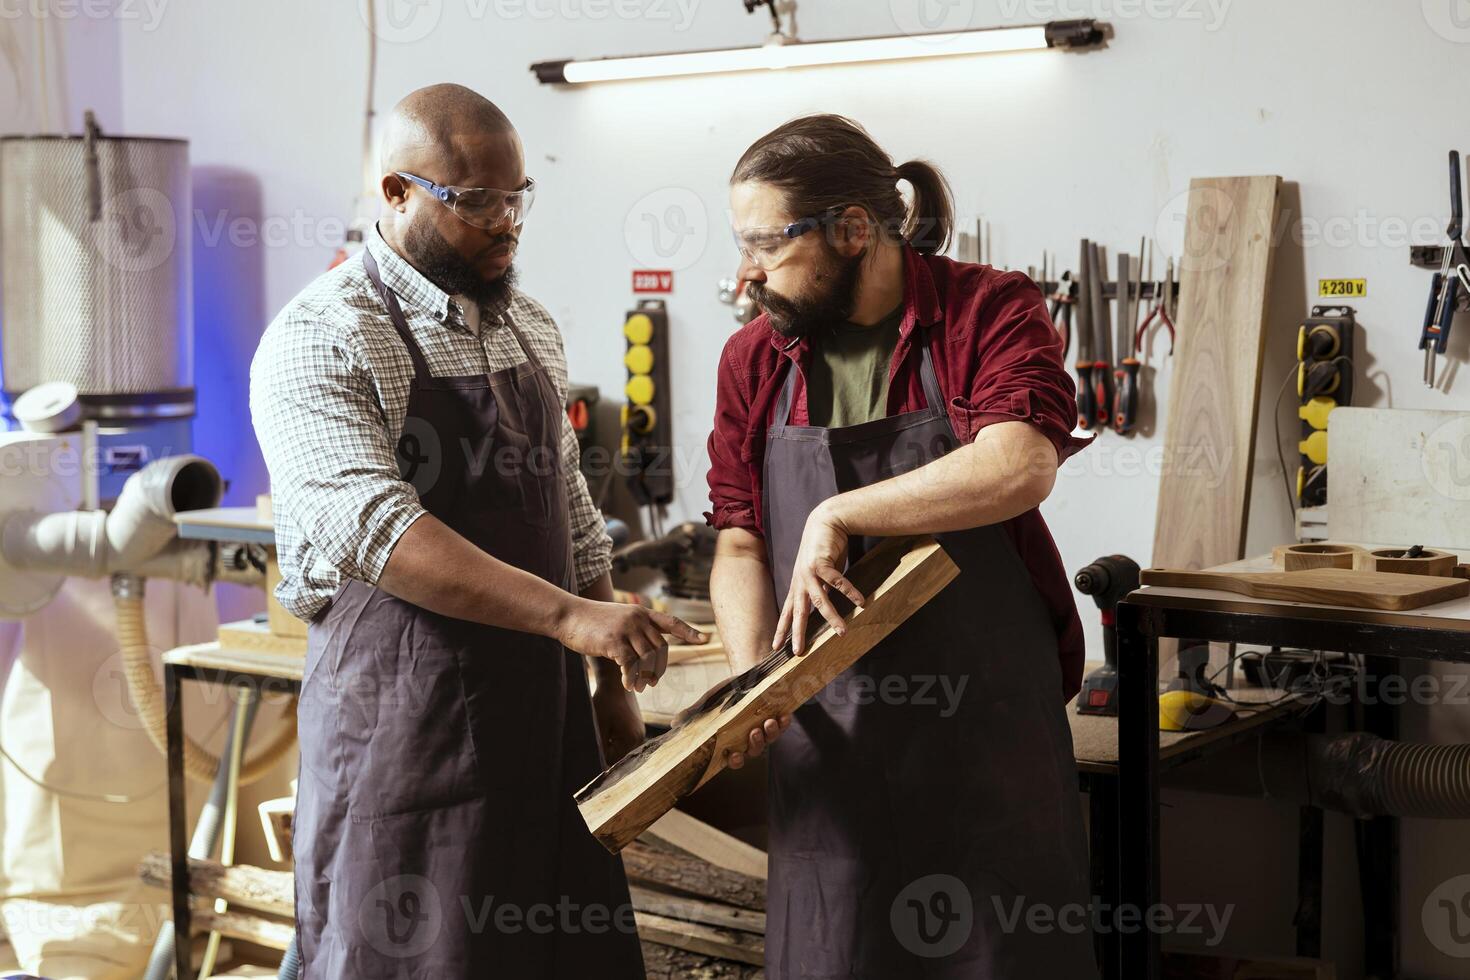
{"x":926,"y":799}
{"x":435,"y":833}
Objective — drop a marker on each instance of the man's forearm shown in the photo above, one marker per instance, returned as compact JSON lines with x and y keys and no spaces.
{"x":1009,"y":469}
{"x":743,"y":597}
{"x":434,"y":567}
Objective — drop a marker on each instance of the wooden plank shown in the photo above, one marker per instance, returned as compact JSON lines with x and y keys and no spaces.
{"x":697,"y":938}
{"x":897,"y":578}
{"x":669,"y":870}
{"x":1399,"y":476}
{"x":281,"y":622}
{"x":713,"y":845}
{"x":240,"y":884}
{"x":1323,"y":586}
{"x":687,"y":909}
{"x":212,"y":656}
{"x":245,"y":926}
{"x":247,"y":634}
{"x":662,"y":962}
{"x":1209,"y":445}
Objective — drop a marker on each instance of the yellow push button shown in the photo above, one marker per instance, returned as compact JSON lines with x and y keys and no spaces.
{"x":1314,"y":447}
{"x":640,"y":390}
{"x":638,"y":329}
{"x":1315,"y":411}
{"x":639,"y":359}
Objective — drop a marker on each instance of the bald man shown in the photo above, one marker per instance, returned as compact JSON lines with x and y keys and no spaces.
{"x":434,"y":530}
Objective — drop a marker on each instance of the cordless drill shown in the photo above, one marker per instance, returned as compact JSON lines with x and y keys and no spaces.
{"x":1107,"y":580}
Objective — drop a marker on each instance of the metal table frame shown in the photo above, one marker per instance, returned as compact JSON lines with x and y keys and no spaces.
{"x":178,"y":835}
{"x":1141,"y":621}
{"x":1101,"y":783}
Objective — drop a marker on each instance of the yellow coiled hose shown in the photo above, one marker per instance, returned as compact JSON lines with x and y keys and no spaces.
{"x":199,"y":762}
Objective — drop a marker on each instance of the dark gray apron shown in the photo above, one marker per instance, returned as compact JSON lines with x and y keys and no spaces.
{"x":435,"y":833}
{"x":926,"y":799}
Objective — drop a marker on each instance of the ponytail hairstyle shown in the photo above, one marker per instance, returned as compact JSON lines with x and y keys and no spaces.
{"x":825,"y":161}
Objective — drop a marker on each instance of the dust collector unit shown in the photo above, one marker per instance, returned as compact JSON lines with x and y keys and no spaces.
{"x":95,"y":272}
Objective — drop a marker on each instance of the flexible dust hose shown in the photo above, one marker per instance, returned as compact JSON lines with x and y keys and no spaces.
{"x":1358,"y":774}
{"x":1367,"y":776}
{"x":199,"y":763}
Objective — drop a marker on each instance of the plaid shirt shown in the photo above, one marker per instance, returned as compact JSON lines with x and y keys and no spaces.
{"x":329,"y":389}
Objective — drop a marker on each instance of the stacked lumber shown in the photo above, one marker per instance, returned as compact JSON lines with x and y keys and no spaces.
{"x":696,"y":919}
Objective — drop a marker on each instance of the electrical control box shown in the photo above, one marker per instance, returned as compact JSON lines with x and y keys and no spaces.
{"x":1325,"y":349}
{"x":647,"y":435}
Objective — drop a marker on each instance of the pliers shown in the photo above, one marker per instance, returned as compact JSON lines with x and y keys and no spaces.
{"x":1062,"y":302}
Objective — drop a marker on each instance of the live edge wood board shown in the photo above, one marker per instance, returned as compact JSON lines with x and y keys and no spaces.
{"x":896,"y":578}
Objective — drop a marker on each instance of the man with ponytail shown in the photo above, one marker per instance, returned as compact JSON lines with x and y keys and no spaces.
{"x":924,"y":805}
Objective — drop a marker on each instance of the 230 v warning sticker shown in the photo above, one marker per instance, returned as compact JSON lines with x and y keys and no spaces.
{"x":1342,"y":288}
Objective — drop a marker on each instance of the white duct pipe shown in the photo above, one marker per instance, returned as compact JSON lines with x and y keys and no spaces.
{"x":139,"y":528}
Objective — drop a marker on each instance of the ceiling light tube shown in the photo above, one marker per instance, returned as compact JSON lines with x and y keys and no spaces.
{"x":1068,"y":34}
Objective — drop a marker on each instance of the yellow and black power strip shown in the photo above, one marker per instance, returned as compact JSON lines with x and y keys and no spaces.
{"x":646,"y":446}
{"x":1324,"y":351}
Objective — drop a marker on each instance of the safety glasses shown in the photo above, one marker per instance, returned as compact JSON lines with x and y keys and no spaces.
{"x":483,"y":207}
{"x":765,"y":247}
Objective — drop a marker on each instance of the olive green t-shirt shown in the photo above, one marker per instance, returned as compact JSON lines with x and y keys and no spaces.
{"x":848,"y":381}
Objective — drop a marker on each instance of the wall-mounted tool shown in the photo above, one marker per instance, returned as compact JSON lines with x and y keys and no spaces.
{"x":1163,"y":308}
{"x":1086,"y":393}
{"x":1444,"y":288}
{"x":742,"y":307}
{"x":1102,"y":367}
{"x":1107,"y":580}
{"x":647,"y":440}
{"x":1325,"y":347}
{"x":1062,"y":301}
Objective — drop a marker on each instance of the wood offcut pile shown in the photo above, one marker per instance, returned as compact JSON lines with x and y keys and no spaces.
{"x":697,"y":920}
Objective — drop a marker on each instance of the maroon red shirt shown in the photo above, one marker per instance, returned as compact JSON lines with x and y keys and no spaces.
{"x":997,"y":358}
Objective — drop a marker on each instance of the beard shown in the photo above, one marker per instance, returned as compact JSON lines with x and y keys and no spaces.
{"x":443,"y":265}
{"x":830,"y":295}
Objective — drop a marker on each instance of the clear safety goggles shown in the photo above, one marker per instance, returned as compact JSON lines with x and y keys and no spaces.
{"x":765,"y":247}
{"x":483,"y":207}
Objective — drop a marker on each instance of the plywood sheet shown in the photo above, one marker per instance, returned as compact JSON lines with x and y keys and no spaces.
{"x":1209,"y":444}
{"x":1399,"y":476}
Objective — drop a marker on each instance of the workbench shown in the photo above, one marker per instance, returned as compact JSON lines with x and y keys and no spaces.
{"x":261,"y":672}
{"x":1437,"y":632}
{"x":1095,"y":746}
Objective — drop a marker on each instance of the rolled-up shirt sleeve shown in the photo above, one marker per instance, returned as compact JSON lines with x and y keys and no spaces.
{"x":1020,"y":375}
{"x":325,"y":441}
{"x":731,"y":480}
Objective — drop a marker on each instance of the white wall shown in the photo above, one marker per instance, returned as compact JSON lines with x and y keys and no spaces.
{"x":1355,"y":101}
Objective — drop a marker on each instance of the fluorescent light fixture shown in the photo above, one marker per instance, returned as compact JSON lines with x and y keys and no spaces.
{"x":1071,"y":34}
